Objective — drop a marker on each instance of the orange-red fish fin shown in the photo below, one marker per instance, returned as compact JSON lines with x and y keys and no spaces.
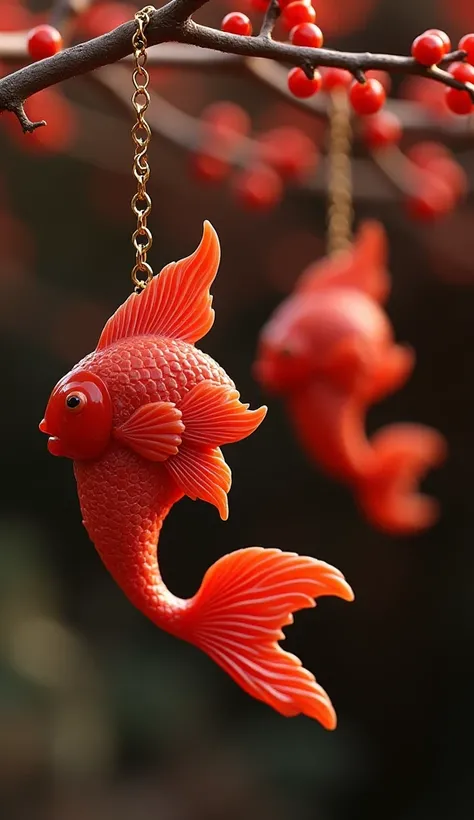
{"x":237,"y":616}
{"x":363,"y":266}
{"x":213,"y":415}
{"x":389,"y":493}
{"x":394,"y":370}
{"x":153,"y":431}
{"x":176,"y":303}
{"x":202,"y":473}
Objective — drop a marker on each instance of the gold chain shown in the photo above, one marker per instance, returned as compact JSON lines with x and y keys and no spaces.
{"x":142,"y":239}
{"x":340,"y":209}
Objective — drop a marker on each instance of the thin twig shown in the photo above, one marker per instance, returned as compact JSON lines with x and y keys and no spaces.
{"x":271,"y":16}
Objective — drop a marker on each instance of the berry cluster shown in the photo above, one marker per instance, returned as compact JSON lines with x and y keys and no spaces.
{"x":431,"y":47}
{"x":437,"y":182}
{"x":268,"y":161}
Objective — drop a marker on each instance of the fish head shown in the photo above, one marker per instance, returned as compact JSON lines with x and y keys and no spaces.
{"x":78,"y":417}
{"x":284,"y":361}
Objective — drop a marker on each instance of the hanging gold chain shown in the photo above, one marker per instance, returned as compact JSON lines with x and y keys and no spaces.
{"x":340,"y":209}
{"x":142,"y":239}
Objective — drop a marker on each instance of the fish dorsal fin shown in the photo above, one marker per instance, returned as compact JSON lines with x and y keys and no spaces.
{"x":176,"y":303}
{"x":363,"y":266}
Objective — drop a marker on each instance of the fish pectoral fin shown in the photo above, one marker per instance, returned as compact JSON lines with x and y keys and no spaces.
{"x":153,"y":431}
{"x":202,"y":473}
{"x":214,"y":415}
{"x":176,"y":303}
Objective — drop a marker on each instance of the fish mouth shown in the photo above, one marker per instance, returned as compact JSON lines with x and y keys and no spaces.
{"x":54,"y":444}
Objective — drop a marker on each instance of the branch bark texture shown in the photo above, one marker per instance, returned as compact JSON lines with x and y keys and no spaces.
{"x":173,"y":23}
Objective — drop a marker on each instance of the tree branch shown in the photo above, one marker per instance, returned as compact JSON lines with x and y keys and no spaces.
{"x":271,"y":16}
{"x":173,"y":23}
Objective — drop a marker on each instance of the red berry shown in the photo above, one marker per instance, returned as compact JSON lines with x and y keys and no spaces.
{"x":442,"y":36}
{"x":467,"y":44}
{"x":284,"y":3}
{"x":301,"y":86}
{"x":464,"y":72}
{"x":307,"y":34}
{"x":258,"y":188}
{"x":208,"y":168}
{"x":381,"y":130}
{"x":435,"y":199}
{"x":459,"y":102}
{"x":335,"y":78}
{"x":14,"y":17}
{"x":428,"y":49}
{"x":450,"y":172}
{"x":368,"y":97}
{"x":44,"y":41}
{"x":61,"y":128}
{"x":296,"y":13}
{"x":237,"y":23}
{"x":291,"y":152}
{"x":260,"y":5}
{"x":382,"y":76}
{"x":424,"y":153}
{"x":103,"y":17}
{"x":226,"y":118}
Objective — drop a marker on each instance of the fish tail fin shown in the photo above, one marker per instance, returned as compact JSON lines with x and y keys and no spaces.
{"x":388,"y":492}
{"x":237,"y":616}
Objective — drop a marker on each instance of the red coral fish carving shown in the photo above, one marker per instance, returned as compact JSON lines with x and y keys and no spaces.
{"x":144,"y":417}
{"x":329,"y":351}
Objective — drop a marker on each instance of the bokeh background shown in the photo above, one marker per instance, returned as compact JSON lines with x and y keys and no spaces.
{"x":104,"y":717}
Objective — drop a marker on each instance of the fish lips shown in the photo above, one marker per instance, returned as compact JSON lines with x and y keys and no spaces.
{"x":54,"y":444}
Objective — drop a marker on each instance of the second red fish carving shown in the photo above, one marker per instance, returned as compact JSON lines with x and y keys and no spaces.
{"x":329,"y":351}
{"x":143,"y":417}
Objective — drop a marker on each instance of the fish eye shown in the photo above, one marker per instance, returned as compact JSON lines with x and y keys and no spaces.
{"x":76,"y":401}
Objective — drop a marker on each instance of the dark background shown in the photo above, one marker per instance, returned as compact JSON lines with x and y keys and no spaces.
{"x":101,"y":714}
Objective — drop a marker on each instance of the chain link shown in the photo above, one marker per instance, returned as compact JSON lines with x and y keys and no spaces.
{"x":142,"y":239}
{"x":340,"y":207}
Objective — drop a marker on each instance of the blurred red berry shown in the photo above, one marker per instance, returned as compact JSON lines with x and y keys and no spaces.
{"x":289,"y":151}
{"x":466,"y":43}
{"x":434,"y":200}
{"x":298,"y":12}
{"x":335,"y":78}
{"x":428,"y":49}
{"x":260,"y":5}
{"x":60,"y":131}
{"x":464,"y":72}
{"x":429,"y":94}
{"x":237,"y":23}
{"x":14,"y":17}
{"x":382,"y":76}
{"x":381,"y":130}
{"x":459,"y":102}
{"x":301,"y":86}
{"x":307,"y":34}
{"x":208,"y":168}
{"x":284,"y":3}
{"x":226,"y":118}
{"x":442,"y":36}
{"x":43,"y":41}
{"x":450,"y":172}
{"x":424,"y":153}
{"x":103,"y":17}
{"x":341,"y":17}
{"x":368,"y":97}
{"x":258,"y":188}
